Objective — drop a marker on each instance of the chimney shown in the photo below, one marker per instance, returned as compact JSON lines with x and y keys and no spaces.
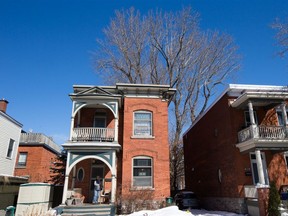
{"x":3,"y":105}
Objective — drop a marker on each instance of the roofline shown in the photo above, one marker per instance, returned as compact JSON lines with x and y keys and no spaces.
{"x":11,"y":119}
{"x":238,"y":87}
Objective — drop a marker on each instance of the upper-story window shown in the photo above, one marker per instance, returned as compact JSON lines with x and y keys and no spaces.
{"x":142,"y":123}
{"x":100,"y":119}
{"x":10,"y":148}
{"x":280,"y":118}
{"x":248,"y":120}
{"x":22,"y":160}
{"x":142,"y":172}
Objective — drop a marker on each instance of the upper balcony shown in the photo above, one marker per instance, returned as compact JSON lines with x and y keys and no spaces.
{"x":263,"y":137}
{"x":94,"y":134}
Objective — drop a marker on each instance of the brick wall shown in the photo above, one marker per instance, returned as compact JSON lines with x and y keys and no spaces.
{"x":157,"y":147}
{"x":38,"y":163}
{"x":211,"y":145}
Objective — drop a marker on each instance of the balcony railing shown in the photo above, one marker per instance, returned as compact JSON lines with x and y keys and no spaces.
{"x":93,"y":134}
{"x":263,"y":132}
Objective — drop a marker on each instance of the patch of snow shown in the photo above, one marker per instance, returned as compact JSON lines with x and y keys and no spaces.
{"x":174,"y":211}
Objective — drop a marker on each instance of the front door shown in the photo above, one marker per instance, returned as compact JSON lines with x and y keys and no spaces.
{"x":255,"y":168}
{"x":96,"y":170}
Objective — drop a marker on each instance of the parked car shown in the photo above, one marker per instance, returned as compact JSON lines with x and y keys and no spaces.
{"x":186,"y":199}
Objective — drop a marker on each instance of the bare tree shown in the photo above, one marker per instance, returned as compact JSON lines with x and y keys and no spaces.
{"x":282,"y":35}
{"x":168,"y":48}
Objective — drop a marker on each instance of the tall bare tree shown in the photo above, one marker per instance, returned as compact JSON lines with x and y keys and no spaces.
{"x":168,"y":48}
{"x":282,"y":35}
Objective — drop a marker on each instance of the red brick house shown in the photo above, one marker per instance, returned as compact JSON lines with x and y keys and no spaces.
{"x":35,"y":157}
{"x":119,"y":133}
{"x":237,"y":144}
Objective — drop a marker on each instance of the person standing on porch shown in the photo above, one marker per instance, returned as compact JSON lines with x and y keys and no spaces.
{"x":97,"y":189}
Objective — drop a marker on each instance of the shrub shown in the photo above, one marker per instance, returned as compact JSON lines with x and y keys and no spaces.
{"x":274,"y":201}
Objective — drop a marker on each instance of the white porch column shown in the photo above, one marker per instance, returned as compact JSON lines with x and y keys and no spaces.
{"x":116,"y":130}
{"x":66,"y":181}
{"x":260,"y":167}
{"x":74,"y":177}
{"x":114,"y":182}
{"x":284,"y":114}
{"x":251,"y":112}
{"x":71,"y":127}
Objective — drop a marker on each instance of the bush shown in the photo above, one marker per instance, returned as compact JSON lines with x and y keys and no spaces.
{"x":274,"y":201}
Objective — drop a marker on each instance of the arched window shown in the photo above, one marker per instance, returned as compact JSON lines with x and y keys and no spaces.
{"x":80,"y":174}
{"x":142,"y":171}
{"x":142,"y":123}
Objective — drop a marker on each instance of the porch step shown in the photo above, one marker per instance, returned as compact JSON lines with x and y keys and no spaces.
{"x":89,"y":210}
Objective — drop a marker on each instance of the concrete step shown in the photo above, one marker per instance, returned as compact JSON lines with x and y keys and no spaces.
{"x":89,"y":210}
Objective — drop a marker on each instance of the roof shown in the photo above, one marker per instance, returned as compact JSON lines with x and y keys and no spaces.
{"x":36,"y":139}
{"x":5,"y":115}
{"x":242,"y":92}
{"x":121,"y":90}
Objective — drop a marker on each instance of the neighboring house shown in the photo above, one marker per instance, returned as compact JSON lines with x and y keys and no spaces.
{"x":36,"y":154}
{"x":237,"y":144}
{"x":10,"y":131}
{"x":119,"y":133}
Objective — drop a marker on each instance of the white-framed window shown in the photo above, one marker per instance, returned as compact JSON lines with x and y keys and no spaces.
{"x":254,"y":167}
{"x":22,"y":160}
{"x":248,"y":120}
{"x":280,"y":118}
{"x":142,"y":123}
{"x":142,"y":171}
{"x":10,"y":148}
{"x":80,"y":174}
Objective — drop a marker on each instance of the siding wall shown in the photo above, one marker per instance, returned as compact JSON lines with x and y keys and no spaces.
{"x":8,"y":130}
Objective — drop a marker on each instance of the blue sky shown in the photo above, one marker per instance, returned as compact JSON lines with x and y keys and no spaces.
{"x":46,"y":47}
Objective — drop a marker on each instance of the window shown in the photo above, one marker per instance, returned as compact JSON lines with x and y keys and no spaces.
{"x":10,"y":148}
{"x":22,"y":160}
{"x":247,"y":118}
{"x":280,"y":118}
{"x":100,"y":120}
{"x":80,"y":174}
{"x":142,"y":123}
{"x":142,"y":172}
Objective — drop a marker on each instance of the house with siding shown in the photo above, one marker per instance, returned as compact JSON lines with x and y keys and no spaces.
{"x":10,"y":130}
{"x":237,"y":147}
{"x":36,"y":152}
{"x":119,"y":133}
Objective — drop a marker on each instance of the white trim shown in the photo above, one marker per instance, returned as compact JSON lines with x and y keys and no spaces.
{"x":151,"y":126}
{"x":152,"y":172}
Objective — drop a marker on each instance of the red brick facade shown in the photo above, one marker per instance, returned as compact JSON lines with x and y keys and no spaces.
{"x":154,"y":147}
{"x":39,"y":162}
{"x":210,"y":145}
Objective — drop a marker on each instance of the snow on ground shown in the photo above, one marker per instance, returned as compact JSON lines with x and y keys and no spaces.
{"x":174,"y":211}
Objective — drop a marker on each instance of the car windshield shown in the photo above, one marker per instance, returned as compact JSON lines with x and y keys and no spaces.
{"x":189,"y":195}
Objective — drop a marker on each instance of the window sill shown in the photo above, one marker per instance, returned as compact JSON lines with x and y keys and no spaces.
{"x":20,"y":167}
{"x":142,"y":137}
{"x":142,"y":188}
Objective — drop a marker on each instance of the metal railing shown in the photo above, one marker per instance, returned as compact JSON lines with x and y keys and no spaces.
{"x":264,"y":132}
{"x":93,"y":134}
